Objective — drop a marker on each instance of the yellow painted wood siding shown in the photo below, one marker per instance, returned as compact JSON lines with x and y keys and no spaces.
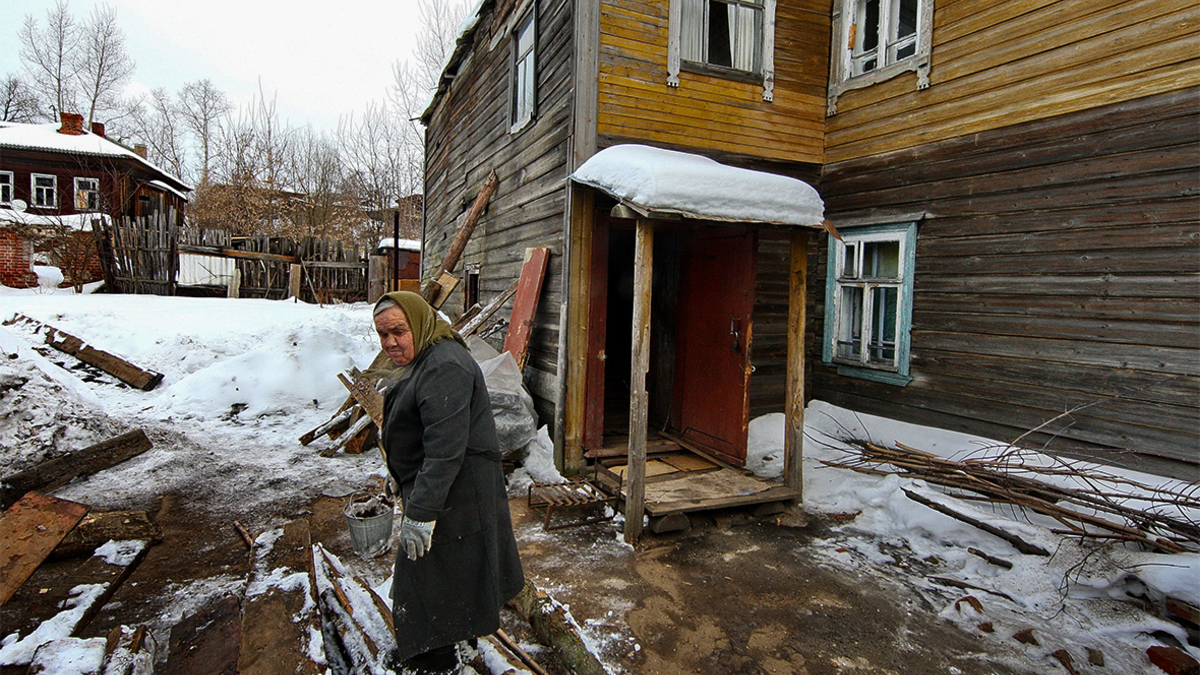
{"x":708,"y":112}
{"x":1000,"y":62}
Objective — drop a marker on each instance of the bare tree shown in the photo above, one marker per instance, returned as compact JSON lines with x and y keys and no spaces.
{"x":202,"y":107}
{"x":383,"y":157}
{"x":104,"y":66}
{"x":18,"y":102}
{"x":48,"y":54}
{"x":156,"y":122}
{"x":324,"y":209}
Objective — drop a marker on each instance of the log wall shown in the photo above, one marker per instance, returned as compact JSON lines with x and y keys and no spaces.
{"x":707,"y":112}
{"x":1000,"y":62}
{"x":469,"y":136}
{"x":1058,"y":265}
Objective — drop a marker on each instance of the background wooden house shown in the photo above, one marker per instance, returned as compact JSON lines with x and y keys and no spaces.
{"x":56,"y":178}
{"x":1015,"y":183}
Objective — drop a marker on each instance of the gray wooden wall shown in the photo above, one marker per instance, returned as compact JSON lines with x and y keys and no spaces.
{"x":1058,"y":266}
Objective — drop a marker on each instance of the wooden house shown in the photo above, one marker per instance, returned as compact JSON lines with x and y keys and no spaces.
{"x":59,"y":176}
{"x":1014,"y":185}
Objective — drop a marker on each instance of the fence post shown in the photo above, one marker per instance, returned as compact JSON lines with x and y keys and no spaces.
{"x":235,"y":284}
{"x":294,"y":281}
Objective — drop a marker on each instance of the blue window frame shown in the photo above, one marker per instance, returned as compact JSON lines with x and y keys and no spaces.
{"x":868,"y":302}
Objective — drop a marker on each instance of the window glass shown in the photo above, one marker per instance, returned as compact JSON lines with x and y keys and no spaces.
{"x":6,"y":187}
{"x":87,"y":194}
{"x":850,"y":322}
{"x":524,"y":73}
{"x":881,"y":259}
{"x":45,"y":190}
{"x":883,"y":32}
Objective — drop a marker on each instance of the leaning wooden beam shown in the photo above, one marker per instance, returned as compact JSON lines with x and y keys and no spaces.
{"x":486,"y":313}
{"x":432,"y":288}
{"x":1018,"y":543}
{"x":56,"y":473}
{"x":342,"y":418}
{"x":529,"y":290}
{"x":635,"y":481}
{"x":552,"y":627}
{"x":110,"y":363}
{"x":29,"y":531}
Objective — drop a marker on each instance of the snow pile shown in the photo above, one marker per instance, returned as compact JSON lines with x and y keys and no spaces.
{"x":48,"y":277}
{"x":15,"y":651}
{"x":70,"y":656}
{"x":695,"y":186}
{"x":537,"y":466}
{"x":1082,"y":595}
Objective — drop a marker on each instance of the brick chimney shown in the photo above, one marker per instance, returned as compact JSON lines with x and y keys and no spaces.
{"x":140,"y":150}
{"x":72,"y":124}
{"x":98,"y":129}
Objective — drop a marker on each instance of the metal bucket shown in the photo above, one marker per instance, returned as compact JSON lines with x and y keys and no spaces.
{"x":370,"y":535}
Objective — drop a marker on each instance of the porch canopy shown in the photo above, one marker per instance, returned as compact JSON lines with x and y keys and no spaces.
{"x":653,"y":184}
{"x":657,"y":182}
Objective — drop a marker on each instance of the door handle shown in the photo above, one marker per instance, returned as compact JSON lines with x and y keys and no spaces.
{"x":735,"y":329}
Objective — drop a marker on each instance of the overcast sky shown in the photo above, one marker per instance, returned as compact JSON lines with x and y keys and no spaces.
{"x":319,"y":59}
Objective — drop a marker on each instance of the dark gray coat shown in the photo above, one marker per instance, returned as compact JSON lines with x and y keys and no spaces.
{"x":441,"y":445}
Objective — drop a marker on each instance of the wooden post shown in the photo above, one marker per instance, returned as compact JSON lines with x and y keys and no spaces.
{"x":235,"y":283}
{"x":377,"y":277}
{"x":580,"y":235}
{"x":635,"y":474}
{"x":793,"y":434}
{"x":294,"y":272}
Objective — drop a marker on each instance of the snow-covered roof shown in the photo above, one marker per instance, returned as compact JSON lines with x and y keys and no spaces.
{"x":167,"y":188}
{"x":405,"y":244}
{"x":462,"y":45}
{"x":654,"y":180}
{"x":76,"y":221}
{"x":46,"y":137}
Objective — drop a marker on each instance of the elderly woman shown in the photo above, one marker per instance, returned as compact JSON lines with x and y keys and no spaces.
{"x":458,"y":562}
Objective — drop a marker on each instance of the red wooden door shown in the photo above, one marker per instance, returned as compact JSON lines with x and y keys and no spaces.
{"x":712,"y":365}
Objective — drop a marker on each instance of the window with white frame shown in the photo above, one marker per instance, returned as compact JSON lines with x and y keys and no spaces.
{"x":874,"y":40}
{"x":723,"y":37}
{"x":524,"y":72}
{"x":6,"y":187}
{"x":87,"y":194}
{"x":44,"y":190}
{"x":868,"y":301}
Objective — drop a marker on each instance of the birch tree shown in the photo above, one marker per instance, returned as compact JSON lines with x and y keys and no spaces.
{"x":104,"y":67}
{"x":203,"y":106}
{"x":48,"y":55}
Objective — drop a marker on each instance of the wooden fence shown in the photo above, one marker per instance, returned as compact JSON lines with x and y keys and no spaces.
{"x":142,"y":256}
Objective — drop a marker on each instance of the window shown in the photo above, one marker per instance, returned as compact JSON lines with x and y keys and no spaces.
{"x":524,"y":74}
{"x":723,"y":37}
{"x":6,"y":187}
{"x":868,"y":302}
{"x":45,"y":190}
{"x":875,"y":40}
{"x":87,"y":194}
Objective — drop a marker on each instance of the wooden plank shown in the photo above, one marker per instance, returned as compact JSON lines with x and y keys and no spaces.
{"x":109,"y":363}
{"x":29,"y":531}
{"x":225,"y":252}
{"x":207,"y":642}
{"x":579,"y":331}
{"x":793,"y":435}
{"x":99,"y":527}
{"x":643,"y":277}
{"x":56,"y":473}
{"x":463,"y":235}
{"x":271,"y":646}
{"x":712,"y":490}
{"x":71,"y":593}
{"x":486,"y":313}
{"x":529,"y":291}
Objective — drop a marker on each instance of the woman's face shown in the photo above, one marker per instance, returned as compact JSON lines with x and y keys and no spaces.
{"x":395,"y":336}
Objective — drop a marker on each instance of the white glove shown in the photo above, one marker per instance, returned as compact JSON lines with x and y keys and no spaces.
{"x":416,"y":538}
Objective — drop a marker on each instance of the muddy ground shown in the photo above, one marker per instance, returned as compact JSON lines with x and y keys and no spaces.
{"x":734,"y":594}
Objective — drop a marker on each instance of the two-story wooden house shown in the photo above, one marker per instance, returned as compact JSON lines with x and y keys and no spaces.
{"x":1014,"y":185}
{"x":59,"y":176}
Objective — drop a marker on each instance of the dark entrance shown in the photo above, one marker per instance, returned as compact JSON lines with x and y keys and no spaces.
{"x":703,"y":295}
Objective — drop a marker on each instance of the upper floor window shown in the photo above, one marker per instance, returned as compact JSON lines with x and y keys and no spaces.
{"x":868,"y":302}
{"x":87,"y":194}
{"x":874,"y":40}
{"x":524,"y":72}
{"x":44,"y":190}
{"x":6,"y":187}
{"x":733,"y":38}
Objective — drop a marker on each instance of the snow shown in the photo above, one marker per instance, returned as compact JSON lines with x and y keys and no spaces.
{"x":79,"y":222}
{"x":405,"y":244}
{"x":46,"y":137}
{"x":667,"y":181}
{"x":70,"y":656}
{"x":16,"y":651}
{"x":48,"y":277}
{"x":120,"y":553}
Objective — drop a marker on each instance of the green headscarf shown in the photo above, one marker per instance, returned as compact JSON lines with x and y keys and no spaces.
{"x":428,"y":328}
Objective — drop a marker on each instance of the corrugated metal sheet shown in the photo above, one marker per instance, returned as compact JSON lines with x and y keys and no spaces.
{"x":204,"y":270}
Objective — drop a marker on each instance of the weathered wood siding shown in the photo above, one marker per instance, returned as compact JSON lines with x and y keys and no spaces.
{"x":706,"y":112}
{"x":1058,"y":266}
{"x":468,"y":136}
{"x":1000,"y":62}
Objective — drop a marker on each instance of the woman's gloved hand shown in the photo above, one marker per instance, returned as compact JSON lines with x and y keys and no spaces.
{"x":416,"y":538}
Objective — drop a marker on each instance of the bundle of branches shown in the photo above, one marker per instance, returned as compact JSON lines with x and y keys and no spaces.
{"x":1083,"y":499}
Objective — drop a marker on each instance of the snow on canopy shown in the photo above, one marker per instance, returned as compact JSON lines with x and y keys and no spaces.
{"x":405,"y":244}
{"x":667,"y":181}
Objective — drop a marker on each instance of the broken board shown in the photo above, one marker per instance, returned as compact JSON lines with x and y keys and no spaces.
{"x":529,"y":290}
{"x":271,"y":646}
{"x":71,"y":593}
{"x":701,"y":491}
{"x":55,"y":473}
{"x":29,"y":531}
